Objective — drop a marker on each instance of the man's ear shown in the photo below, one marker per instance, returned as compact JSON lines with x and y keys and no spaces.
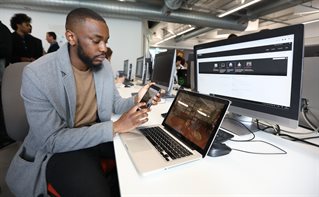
{"x":71,"y":37}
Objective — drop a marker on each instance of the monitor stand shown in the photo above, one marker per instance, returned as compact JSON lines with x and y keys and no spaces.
{"x":166,"y":96}
{"x":232,"y":123}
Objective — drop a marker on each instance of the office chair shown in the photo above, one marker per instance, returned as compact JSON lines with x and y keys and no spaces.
{"x":15,"y":119}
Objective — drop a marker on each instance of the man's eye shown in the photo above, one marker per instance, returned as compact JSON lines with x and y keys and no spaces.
{"x":96,"y":41}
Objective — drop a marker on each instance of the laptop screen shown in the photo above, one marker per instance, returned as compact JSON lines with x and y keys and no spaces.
{"x":195,"y":118}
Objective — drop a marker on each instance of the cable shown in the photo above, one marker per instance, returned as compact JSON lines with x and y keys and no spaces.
{"x":299,"y":139}
{"x":253,"y":137}
{"x":309,"y":138}
{"x":275,"y":127}
{"x":304,"y":110}
{"x":251,"y":140}
{"x":258,"y":153}
{"x":291,"y":132}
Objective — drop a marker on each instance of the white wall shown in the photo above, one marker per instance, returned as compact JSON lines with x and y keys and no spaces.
{"x":126,"y":37}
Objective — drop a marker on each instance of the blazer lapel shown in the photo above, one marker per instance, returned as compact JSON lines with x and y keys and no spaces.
{"x":69,"y":84}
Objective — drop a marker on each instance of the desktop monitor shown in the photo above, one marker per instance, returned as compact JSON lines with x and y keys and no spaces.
{"x":164,"y":70}
{"x":260,"y":73}
{"x":149,"y":65}
{"x":126,"y":68}
{"x":142,"y":69}
{"x":309,"y":117}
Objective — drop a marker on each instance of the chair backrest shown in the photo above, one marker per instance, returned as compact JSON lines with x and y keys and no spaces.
{"x":15,"y":119}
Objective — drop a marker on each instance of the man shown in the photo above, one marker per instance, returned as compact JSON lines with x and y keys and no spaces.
{"x":5,"y":47}
{"x":51,"y":38}
{"x":25,"y":48}
{"x":69,"y":97}
{"x":180,"y":63}
{"x":35,"y":45}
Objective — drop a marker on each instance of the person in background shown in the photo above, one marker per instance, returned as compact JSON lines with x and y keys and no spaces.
{"x":5,"y":48}
{"x":25,"y":48}
{"x":179,"y":62}
{"x":120,"y":78}
{"x":35,"y":44}
{"x":69,"y":98}
{"x":51,"y":38}
{"x":5,"y":56}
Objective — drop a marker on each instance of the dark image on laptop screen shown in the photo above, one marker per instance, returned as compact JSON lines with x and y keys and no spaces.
{"x":195,"y":117}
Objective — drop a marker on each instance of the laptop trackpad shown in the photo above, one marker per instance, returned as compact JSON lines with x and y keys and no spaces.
{"x":138,"y":145}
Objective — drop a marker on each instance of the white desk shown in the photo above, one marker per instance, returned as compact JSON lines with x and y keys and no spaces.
{"x":236,"y":174}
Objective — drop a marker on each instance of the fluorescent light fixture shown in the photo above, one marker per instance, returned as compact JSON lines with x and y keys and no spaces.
{"x":313,"y":21}
{"x":238,"y":8}
{"x":173,"y":36}
{"x":184,"y":104}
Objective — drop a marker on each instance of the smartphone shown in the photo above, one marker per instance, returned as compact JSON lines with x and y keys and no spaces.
{"x":149,"y":95}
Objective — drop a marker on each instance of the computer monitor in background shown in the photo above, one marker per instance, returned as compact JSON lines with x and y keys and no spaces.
{"x":141,"y":71}
{"x":309,"y":117}
{"x":149,"y":65}
{"x":260,"y":73}
{"x":126,"y":69}
{"x":164,"y":70}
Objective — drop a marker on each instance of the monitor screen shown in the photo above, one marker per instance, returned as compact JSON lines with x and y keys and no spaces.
{"x":126,"y":68}
{"x":164,"y":70}
{"x":139,"y":71}
{"x":260,"y":73}
{"x":149,"y":68}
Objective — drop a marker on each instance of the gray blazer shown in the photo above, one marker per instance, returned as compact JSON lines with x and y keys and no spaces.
{"x":49,"y":94}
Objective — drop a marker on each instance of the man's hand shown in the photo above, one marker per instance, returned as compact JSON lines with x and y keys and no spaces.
{"x":143,"y":90}
{"x":133,"y":118}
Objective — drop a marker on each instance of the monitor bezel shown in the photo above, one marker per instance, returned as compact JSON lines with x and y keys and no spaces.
{"x":254,"y":110}
{"x":166,"y":86}
{"x":139,"y":76}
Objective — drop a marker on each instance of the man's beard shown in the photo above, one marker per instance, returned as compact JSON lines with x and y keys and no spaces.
{"x":87,"y":60}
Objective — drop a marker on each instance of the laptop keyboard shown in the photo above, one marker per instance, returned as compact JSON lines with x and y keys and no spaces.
{"x":169,"y":148}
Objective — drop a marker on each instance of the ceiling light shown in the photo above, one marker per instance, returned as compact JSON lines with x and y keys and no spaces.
{"x":173,"y":36}
{"x":238,"y":8}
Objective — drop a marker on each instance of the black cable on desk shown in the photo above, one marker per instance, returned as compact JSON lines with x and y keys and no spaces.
{"x":309,"y":138}
{"x":252,"y":140}
{"x":298,"y":139}
{"x":258,"y":153}
{"x":250,"y":131}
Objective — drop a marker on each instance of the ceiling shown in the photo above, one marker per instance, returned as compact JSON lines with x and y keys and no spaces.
{"x":265,"y":14}
{"x":184,"y":23}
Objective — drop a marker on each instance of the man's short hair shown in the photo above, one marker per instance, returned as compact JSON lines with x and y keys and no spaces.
{"x":19,"y":18}
{"x":51,"y":33}
{"x":79,"y":15}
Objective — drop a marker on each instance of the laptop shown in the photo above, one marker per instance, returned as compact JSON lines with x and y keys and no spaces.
{"x":192,"y":123}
